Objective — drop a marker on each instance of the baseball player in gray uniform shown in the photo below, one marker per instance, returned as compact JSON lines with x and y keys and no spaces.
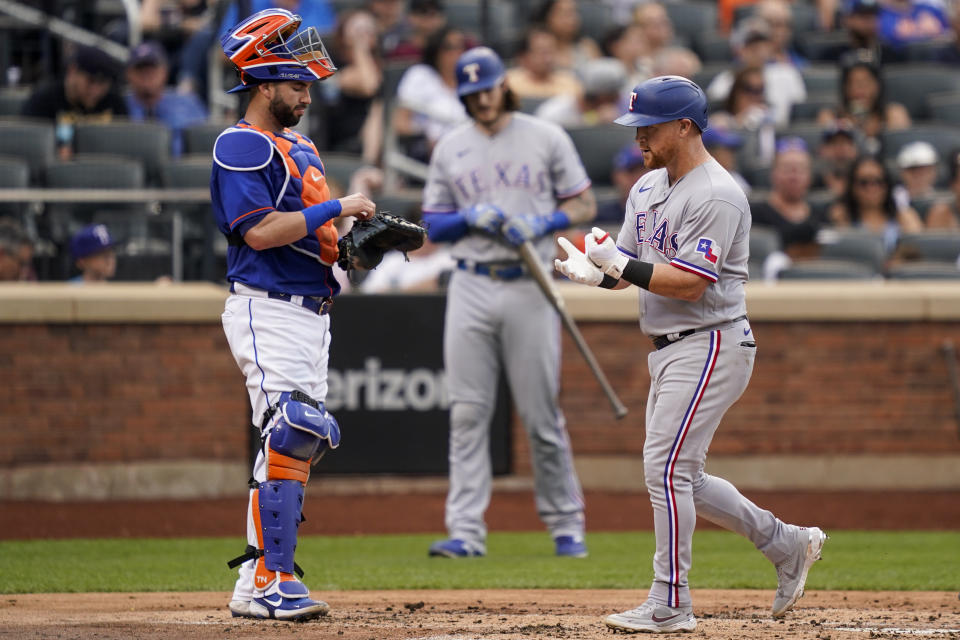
{"x":684,"y":242}
{"x":500,"y":180}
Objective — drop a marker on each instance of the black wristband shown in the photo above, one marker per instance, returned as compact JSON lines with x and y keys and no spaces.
{"x":638,"y":273}
{"x":608,"y":282}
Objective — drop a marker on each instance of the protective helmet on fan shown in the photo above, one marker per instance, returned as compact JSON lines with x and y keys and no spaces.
{"x":663,"y":99}
{"x":478,"y":69}
{"x":266,"y":47}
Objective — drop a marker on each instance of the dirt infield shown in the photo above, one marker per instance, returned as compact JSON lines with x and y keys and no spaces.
{"x":476,"y":615}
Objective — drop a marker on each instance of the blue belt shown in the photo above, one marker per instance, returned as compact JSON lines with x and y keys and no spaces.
{"x":665,"y":341}
{"x":319,"y":306}
{"x":495,"y":270}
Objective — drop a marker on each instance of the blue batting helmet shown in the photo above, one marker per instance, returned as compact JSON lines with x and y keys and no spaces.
{"x":268,"y":47}
{"x":663,"y":99}
{"x":478,"y":69}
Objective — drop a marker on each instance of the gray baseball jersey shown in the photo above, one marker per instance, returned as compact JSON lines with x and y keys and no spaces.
{"x":701,"y":224}
{"x":494,"y":325}
{"x":525,"y":168}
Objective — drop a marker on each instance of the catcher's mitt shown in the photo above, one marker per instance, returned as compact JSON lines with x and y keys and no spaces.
{"x":364,"y":245}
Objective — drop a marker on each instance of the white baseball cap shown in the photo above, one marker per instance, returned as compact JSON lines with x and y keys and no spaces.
{"x":917,"y":154}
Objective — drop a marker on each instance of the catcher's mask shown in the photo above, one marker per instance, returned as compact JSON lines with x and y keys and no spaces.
{"x":267,"y":47}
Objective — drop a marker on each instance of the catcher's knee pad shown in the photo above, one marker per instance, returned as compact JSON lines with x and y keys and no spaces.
{"x":304,"y":430}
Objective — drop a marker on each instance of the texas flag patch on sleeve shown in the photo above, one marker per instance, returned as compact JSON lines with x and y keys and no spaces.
{"x":709,"y":249}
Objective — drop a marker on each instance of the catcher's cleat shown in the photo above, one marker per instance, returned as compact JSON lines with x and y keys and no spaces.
{"x":570,"y":547}
{"x":792,"y":573}
{"x":456,"y":548}
{"x":288,"y":599}
{"x":651,"y":617}
{"x":240,"y":609}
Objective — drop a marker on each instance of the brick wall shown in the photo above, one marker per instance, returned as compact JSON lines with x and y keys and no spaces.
{"x":135,"y":392}
{"x":817,"y":388}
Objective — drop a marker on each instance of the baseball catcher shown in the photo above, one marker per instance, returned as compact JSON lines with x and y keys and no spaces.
{"x":364,"y":246}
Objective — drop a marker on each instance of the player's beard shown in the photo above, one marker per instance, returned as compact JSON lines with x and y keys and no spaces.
{"x":283,"y":112}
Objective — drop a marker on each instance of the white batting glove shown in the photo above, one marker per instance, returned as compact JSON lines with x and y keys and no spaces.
{"x":577,"y":267}
{"x":603,"y":252}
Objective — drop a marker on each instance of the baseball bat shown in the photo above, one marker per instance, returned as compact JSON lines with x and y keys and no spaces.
{"x":545,"y":281}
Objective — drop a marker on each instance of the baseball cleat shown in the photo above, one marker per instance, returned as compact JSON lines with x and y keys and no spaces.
{"x":240,"y":609}
{"x":456,"y":548}
{"x":792,"y":574}
{"x":570,"y":547}
{"x":288,"y":600}
{"x":651,"y":617}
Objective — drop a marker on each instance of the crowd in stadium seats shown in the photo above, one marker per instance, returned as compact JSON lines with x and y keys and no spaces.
{"x":840,"y":118}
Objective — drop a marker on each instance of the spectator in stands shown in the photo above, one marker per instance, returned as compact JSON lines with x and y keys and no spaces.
{"x":946,"y":213}
{"x":93,"y":252}
{"x":428,"y":104}
{"x":656,"y":29}
{"x":351,"y":108}
{"x":902,"y":22}
{"x":676,"y":61}
{"x":949,"y":51}
{"x":536,"y":75}
{"x":868,"y":203}
{"x":601,"y":101}
{"x":863,"y":104}
{"x":723,"y":144}
{"x":391,"y":26}
{"x":746,"y":112}
{"x":86,"y":92}
{"x":835,"y":156}
{"x":171,"y":23}
{"x":16,"y":252}
{"x":424,"y":18}
{"x":779,"y":17}
{"x":422,"y":271}
{"x":562,"y":19}
{"x":628,"y":167}
{"x":860,"y":21}
{"x":786,"y":209}
{"x":149,"y":98}
{"x":917,"y":163}
{"x":783,"y":85}
{"x":625,"y":43}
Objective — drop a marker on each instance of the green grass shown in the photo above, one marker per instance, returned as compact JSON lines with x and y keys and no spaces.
{"x":852,"y":560}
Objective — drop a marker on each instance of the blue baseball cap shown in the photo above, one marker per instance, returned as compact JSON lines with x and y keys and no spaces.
{"x":90,"y":240}
{"x":628,"y":158}
{"x":720,"y":137}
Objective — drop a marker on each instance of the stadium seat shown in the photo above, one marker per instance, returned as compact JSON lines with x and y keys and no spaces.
{"x":595,"y":19}
{"x":147,"y":142}
{"x":530,"y":104}
{"x":339,"y":167}
{"x":811,"y":107}
{"x":810,"y":132}
{"x":199,"y":138}
{"x":820,"y":47}
{"x":29,"y":139}
{"x":944,"y":108}
{"x":691,"y":19}
{"x":821,"y":269}
{"x":198,"y":223}
{"x":597,"y":146}
{"x":465,"y":15}
{"x":855,"y":245}
{"x":910,"y":84}
{"x":822,"y":79}
{"x":924,"y":271}
{"x":399,"y":202}
{"x":944,"y":138}
{"x":713,"y":46}
{"x":705,"y":76}
{"x":763,"y":241}
{"x":14,"y":174}
{"x":392,"y":72}
{"x":932,"y":246}
{"x":12,"y":100}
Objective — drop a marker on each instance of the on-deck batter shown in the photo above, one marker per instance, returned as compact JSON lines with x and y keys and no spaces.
{"x":495,"y":182}
{"x":685,"y":242}
{"x":271,"y":201}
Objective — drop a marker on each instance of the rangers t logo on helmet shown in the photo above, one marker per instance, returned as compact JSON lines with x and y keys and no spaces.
{"x":267,"y":47}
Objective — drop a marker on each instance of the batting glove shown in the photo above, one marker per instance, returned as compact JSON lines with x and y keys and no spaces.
{"x":525,"y":226}
{"x":603,"y":252}
{"x":484,"y":217}
{"x":577,"y":267}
